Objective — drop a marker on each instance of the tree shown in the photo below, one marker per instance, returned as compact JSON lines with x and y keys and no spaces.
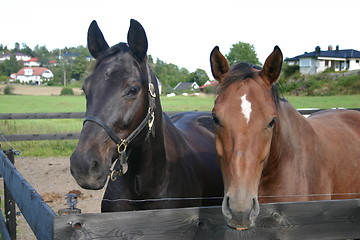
{"x":42,"y":54}
{"x":11,"y":66}
{"x":79,"y":67}
{"x":242,"y":52}
{"x":199,"y":76}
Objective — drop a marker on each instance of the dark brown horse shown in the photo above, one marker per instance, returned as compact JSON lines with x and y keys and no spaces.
{"x":159,"y":159}
{"x":266,"y":148}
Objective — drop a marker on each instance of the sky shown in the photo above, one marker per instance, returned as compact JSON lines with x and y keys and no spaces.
{"x":184,"y":32}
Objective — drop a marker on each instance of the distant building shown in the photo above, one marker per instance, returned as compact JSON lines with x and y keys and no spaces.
{"x":317,"y":61}
{"x":186,"y":86}
{"x":33,"y":62}
{"x":18,"y":56}
{"x":209,"y":83}
{"x":35,"y":75}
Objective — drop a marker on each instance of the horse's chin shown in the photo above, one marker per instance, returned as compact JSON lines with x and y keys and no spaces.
{"x":239,"y":227}
{"x":90,"y":183}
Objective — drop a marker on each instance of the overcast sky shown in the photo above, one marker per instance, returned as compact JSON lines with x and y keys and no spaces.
{"x":184,"y":32}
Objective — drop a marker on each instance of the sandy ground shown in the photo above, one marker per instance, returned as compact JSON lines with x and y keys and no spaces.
{"x":51,"y":178}
{"x":38,"y":90}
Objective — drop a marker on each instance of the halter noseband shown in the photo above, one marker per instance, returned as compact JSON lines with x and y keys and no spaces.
{"x":123,"y":143}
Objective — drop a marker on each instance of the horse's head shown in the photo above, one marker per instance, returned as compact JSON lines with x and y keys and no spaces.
{"x":119,"y":99}
{"x":244,"y":114}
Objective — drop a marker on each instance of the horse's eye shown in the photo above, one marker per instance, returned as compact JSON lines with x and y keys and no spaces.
{"x":132,"y":91}
{"x":215,"y":118}
{"x":272,"y":123}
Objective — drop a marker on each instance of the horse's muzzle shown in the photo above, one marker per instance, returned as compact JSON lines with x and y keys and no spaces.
{"x":88,"y":172}
{"x":240,"y":219}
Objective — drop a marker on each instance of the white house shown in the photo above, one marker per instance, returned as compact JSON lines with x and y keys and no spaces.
{"x":33,"y":62}
{"x":36,"y":75}
{"x":18,"y":56}
{"x":318,"y":61}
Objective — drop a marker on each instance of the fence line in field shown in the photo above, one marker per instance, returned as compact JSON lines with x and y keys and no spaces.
{"x":74,"y":115}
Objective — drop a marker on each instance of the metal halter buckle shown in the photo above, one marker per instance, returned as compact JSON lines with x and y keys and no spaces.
{"x":152,"y":90}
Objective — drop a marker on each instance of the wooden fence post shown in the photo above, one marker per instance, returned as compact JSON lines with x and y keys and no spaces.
{"x":10,"y":211}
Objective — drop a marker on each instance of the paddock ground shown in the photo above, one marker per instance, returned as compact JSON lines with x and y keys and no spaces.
{"x":51,"y":178}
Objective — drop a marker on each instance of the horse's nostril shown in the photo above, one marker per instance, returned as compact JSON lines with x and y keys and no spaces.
{"x":227,"y":202}
{"x":95,"y":165}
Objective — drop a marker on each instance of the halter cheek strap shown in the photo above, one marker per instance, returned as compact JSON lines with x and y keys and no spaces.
{"x":123,"y":143}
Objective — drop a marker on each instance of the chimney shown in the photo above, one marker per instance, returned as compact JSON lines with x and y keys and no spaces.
{"x":330,"y":48}
{"x":317,"y":50}
{"x":337,"y":47}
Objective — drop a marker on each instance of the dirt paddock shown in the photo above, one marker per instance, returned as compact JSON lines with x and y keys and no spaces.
{"x":35,"y":90}
{"x":51,"y":178}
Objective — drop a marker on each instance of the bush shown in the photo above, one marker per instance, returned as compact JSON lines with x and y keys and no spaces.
{"x":3,"y":79}
{"x":67,"y":92}
{"x":9,"y":90}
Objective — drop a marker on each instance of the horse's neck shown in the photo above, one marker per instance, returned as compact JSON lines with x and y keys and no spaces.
{"x":287,"y":139}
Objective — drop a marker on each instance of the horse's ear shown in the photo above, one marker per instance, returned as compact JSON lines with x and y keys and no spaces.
{"x":272,"y":67}
{"x":219,"y":64}
{"x":96,"y":41}
{"x":137,"y":40}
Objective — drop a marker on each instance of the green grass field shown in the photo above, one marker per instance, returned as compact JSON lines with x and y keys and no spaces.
{"x":33,"y":104}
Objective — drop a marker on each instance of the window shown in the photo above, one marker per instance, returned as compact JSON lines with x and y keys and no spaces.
{"x":305,"y":62}
{"x":326,"y":63}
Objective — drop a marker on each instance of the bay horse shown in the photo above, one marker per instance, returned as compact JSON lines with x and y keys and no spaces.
{"x":157,"y":159}
{"x":269,"y":152}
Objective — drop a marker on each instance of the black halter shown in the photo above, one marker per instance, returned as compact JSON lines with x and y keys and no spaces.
{"x":123,"y":143}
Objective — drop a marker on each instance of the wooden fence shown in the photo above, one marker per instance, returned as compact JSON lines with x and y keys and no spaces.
{"x":74,"y":115}
{"x":337,"y":219}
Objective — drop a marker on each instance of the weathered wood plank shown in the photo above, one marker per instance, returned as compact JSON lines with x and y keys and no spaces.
{"x":10,"y":205}
{"x":301,"y":220}
{"x":37,"y":213}
{"x":37,"y":137}
{"x":5,"y":235}
{"x":63,"y":115}
{"x":5,"y":116}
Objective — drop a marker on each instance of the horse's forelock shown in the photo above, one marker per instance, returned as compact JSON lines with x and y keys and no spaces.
{"x":240,"y":72}
{"x":118,"y":48}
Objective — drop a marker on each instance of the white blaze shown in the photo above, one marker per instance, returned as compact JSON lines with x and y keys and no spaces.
{"x":246,"y":108}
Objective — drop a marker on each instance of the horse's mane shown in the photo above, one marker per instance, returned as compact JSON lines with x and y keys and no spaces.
{"x":120,"y":47}
{"x":242,"y":71}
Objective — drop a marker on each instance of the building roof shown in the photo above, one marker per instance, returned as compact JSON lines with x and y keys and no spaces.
{"x":209,"y":83}
{"x":184,"y":86}
{"x":37,"y":71}
{"x":32,"y":60}
{"x":346,"y":53}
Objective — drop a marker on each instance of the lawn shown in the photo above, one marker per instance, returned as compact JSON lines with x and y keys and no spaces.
{"x":32,"y":104}
{"x":27,"y":104}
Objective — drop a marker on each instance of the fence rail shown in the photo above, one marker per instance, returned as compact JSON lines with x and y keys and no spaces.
{"x":75,"y":115}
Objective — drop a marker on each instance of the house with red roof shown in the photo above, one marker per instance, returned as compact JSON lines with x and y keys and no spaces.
{"x":35,"y":75}
{"x":33,"y":62}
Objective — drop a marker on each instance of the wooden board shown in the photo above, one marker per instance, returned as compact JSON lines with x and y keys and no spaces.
{"x":5,"y":235}
{"x":301,"y":220}
{"x":37,"y":137}
{"x":6,"y":116}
